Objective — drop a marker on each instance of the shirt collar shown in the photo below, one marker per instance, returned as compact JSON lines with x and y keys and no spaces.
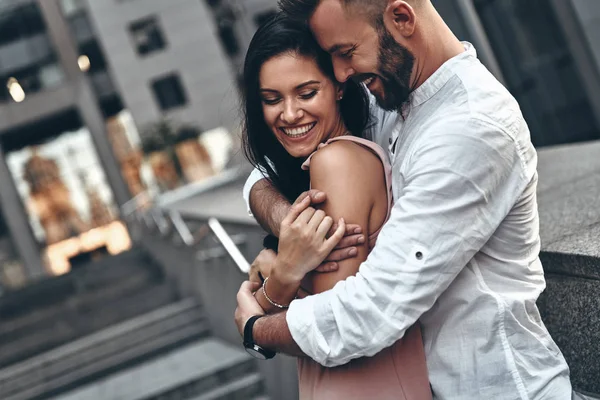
{"x":439,"y":78}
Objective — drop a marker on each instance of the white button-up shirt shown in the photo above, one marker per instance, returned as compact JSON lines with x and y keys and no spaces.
{"x":459,"y":253}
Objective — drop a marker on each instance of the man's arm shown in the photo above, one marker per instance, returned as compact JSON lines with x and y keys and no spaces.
{"x":273,"y":333}
{"x":268,"y":206}
{"x":277,"y":335}
{"x":456,"y":193}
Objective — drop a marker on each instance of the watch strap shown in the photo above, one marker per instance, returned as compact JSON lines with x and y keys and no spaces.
{"x":248,"y":337}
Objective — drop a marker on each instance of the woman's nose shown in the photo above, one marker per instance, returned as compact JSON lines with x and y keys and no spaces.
{"x":291,"y":113}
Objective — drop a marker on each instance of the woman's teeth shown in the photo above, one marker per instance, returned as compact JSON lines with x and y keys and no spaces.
{"x":297,"y":132}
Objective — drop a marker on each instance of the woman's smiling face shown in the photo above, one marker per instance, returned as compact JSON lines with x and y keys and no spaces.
{"x":300,"y":103}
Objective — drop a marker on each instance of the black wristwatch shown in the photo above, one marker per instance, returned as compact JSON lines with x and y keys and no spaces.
{"x":252,"y":348}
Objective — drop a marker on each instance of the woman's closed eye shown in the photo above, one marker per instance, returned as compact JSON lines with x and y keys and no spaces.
{"x":308,"y":95}
{"x":271,"y":100}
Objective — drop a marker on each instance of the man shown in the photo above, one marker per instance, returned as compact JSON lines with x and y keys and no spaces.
{"x":460,"y":251}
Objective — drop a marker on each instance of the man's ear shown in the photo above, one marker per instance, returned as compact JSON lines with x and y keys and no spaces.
{"x":400,"y":19}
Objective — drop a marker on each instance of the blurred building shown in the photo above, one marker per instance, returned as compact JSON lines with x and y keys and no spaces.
{"x":76,"y":77}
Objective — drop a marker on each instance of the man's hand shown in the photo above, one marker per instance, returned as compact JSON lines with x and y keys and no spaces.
{"x":263,"y":263}
{"x":304,"y":242}
{"x":247,"y":306}
{"x":346,"y":248}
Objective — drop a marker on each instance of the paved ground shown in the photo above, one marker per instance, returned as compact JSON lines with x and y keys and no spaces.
{"x":186,"y":364}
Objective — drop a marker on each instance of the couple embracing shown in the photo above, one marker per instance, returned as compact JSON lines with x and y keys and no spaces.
{"x":406,"y":265}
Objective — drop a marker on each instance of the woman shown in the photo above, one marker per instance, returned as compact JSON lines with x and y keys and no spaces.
{"x":303,"y":129}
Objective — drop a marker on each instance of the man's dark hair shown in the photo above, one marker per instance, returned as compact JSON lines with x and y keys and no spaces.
{"x":302,"y":10}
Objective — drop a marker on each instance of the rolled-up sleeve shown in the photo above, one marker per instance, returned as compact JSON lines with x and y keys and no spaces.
{"x":255,"y":176}
{"x":456,"y":188}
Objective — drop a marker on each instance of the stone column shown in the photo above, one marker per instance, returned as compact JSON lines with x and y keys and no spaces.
{"x":17,"y":223}
{"x":87,"y":105}
{"x":480,"y":40}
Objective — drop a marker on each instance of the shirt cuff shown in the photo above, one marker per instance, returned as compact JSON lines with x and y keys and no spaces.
{"x":303,"y":327}
{"x":254,"y":177}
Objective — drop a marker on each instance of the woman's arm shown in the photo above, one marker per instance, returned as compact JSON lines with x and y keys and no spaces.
{"x":354,"y":181}
{"x":353,"y":177}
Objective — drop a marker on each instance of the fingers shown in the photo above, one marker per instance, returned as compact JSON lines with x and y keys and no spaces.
{"x":350,"y":241}
{"x":305,"y":216}
{"x":317,"y":219}
{"x":328,"y":267}
{"x":247,"y":288}
{"x":324,"y":226}
{"x":301,"y":198}
{"x":316,"y":196}
{"x":296,"y":210}
{"x":352,"y":229}
{"x":336,"y":237}
{"x":254,"y":275}
{"x":342,"y":254}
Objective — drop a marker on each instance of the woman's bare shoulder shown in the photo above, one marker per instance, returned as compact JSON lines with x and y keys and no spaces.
{"x":346,"y":158}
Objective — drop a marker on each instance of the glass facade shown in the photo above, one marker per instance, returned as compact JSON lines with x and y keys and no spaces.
{"x":539,"y":69}
{"x":68,"y":200}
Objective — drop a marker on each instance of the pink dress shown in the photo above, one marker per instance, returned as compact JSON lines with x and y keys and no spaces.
{"x":398,"y":372}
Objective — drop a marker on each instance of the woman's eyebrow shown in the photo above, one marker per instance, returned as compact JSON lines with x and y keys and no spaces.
{"x":300,"y":86}
{"x":306,"y":84}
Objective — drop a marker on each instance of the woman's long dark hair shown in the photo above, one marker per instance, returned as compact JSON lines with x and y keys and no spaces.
{"x":277,"y":36}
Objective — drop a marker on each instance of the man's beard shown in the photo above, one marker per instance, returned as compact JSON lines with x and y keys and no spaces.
{"x":396,"y":63}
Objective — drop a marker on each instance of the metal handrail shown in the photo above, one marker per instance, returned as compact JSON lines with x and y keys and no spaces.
{"x":189,"y":239}
{"x":182,"y":229}
{"x":228,"y":244}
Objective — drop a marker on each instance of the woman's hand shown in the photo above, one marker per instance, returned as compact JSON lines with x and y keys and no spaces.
{"x":303,"y":242}
{"x":347,"y":247}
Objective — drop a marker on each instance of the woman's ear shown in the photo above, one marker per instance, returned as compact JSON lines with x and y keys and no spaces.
{"x":340,"y":91}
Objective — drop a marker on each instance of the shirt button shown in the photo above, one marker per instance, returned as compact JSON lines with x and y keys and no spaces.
{"x":419,"y":255}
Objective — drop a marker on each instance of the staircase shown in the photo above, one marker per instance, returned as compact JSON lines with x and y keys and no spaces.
{"x":204,"y":370}
{"x":115,"y":330}
{"x":56,"y":311}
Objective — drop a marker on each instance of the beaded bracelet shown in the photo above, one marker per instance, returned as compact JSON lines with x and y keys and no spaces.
{"x":264,"y":291}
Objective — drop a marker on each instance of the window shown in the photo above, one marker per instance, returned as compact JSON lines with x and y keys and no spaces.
{"x":147,"y":36}
{"x":168,"y":92}
{"x":20,"y":22}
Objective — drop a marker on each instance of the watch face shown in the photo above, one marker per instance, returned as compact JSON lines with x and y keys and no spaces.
{"x":255,"y":352}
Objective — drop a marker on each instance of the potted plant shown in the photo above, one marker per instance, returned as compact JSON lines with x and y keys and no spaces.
{"x":194,"y":159}
{"x":155,"y":147}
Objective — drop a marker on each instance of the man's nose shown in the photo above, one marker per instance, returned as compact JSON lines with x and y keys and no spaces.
{"x":291,"y":112}
{"x":342,"y":70}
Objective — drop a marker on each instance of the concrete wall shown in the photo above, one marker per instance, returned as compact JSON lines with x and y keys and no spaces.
{"x":191,"y":51}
